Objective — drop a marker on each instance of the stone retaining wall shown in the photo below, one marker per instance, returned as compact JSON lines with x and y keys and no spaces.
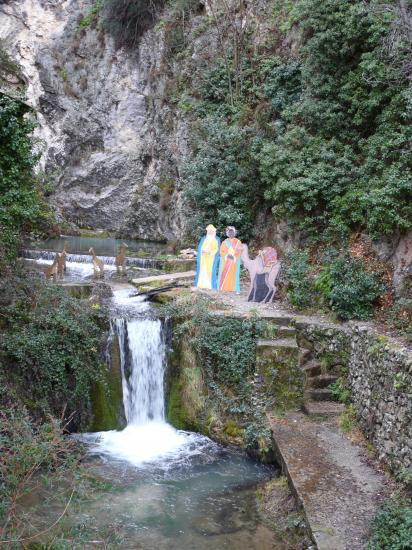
{"x":379,"y":373}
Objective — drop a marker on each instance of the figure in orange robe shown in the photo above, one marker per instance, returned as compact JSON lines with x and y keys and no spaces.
{"x":229,"y":268}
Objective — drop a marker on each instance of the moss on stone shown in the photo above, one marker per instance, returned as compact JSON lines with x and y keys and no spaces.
{"x":333,"y":361}
{"x":186,"y":395}
{"x":282,"y":379}
{"x":107,"y":396}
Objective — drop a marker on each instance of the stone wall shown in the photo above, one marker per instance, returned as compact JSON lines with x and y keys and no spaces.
{"x":379,"y":373}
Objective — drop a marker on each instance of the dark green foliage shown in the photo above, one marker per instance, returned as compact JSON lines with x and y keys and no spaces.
{"x":392,"y":527}
{"x":220,"y":179}
{"x":349,"y":290}
{"x":344,"y":158}
{"x":92,"y":15}
{"x":50,"y":349}
{"x":21,"y":206}
{"x":332,"y":125}
{"x":340,"y":389}
{"x":297,"y":269}
{"x":128,"y":20}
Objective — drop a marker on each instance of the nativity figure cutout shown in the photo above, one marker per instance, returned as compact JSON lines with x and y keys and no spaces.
{"x":207,"y":260}
{"x":229,"y":266}
{"x":263,"y":271}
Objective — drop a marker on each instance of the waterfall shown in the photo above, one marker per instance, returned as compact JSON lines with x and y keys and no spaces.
{"x":147,"y":436}
{"x":142,"y":356}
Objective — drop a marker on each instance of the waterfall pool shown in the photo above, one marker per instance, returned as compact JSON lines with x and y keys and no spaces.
{"x":198,"y":496}
{"x":154,"y":487}
{"x":173,"y":489}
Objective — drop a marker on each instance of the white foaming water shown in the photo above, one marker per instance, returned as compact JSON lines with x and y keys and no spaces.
{"x":76,"y":270}
{"x":147,"y":437}
{"x":142,"y":353}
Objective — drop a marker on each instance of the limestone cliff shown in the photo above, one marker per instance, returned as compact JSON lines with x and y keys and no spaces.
{"x":110,"y":143}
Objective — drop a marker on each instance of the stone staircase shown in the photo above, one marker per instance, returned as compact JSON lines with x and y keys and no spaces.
{"x":317,"y":397}
{"x":278,"y":355}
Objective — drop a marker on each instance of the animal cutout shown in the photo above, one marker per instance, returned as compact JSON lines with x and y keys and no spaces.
{"x":61,"y":263}
{"x":263,"y":271}
{"x":64,"y":252}
{"x":98,"y":265}
{"x":120,"y":260}
{"x":52,"y":270}
{"x":207,"y":259}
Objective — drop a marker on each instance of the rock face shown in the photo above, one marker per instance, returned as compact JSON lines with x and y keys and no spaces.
{"x":109,"y":142}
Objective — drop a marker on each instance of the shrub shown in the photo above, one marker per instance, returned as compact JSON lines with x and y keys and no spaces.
{"x":50,"y":349}
{"x":128,"y":20}
{"x":220,"y":180}
{"x":392,"y":527}
{"x":342,"y":160}
{"x":348,"y":288}
{"x":300,"y":289}
{"x":27,"y":449}
{"x":340,"y":389}
{"x":21,"y":205}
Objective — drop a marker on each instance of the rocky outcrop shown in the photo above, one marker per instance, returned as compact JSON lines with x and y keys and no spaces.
{"x":110,"y":144}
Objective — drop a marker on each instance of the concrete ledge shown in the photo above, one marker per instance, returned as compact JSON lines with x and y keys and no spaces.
{"x":338,"y":491}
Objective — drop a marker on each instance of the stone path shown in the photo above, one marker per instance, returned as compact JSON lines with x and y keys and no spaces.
{"x":338,"y":491}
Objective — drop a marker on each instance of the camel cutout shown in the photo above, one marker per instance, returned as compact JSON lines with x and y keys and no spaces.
{"x":120,"y":260}
{"x":266,"y":264}
{"x":98,"y":265}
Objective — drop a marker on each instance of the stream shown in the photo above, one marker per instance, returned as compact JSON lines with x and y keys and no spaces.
{"x":163,"y":488}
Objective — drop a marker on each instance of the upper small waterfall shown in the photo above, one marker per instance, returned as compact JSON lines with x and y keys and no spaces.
{"x":142,"y":354}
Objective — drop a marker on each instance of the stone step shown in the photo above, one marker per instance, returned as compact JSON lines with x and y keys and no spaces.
{"x":289,"y":343}
{"x":323,"y":408}
{"x":320,"y":381}
{"x":318,"y":394}
{"x":313,"y":368}
{"x":276,"y":319}
{"x":278,"y":331}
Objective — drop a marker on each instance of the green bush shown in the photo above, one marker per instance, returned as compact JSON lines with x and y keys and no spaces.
{"x":349,"y":290}
{"x":220,"y":180}
{"x":392,"y":527}
{"x":297,"y":269}
{"x":340,"y":389}
{"x":50,"y":348}
{"x":342,"y":160}
{"x":21,"y":205}
{"x":329,"y":133}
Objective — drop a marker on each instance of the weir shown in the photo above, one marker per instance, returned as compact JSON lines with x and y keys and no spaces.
{"x":48,"y":256}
